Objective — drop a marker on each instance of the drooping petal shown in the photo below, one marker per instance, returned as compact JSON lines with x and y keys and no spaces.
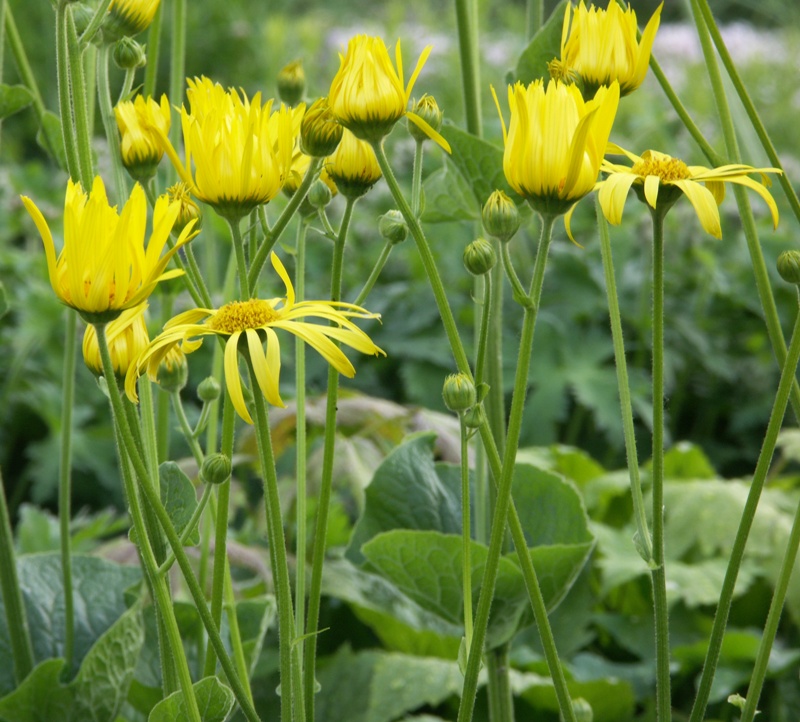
{"x":612,"y":194}
{"x":232,"y":380}
{"x":704,"y":205}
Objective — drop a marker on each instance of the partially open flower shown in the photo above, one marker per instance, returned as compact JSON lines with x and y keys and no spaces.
{"x":129,"y":17}
{"x":140,"y":146}
{"x":126,"y":337}
{"x":353,"y":166}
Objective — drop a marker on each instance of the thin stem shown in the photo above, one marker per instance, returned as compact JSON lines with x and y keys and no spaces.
{"x":79,"y":104}
{"x":186,"y":429}
{"x":466,"y":22}
{"x":127,"y":84}
{"x":189,"y":529}
{"x":291,"y":699}
{"x":330,"y":232}
{"x":153,"y":48}
{"x":483,"y":333}
{"x":501,"y":699}
{"x":65,"y":482}
{"x":658,"y":574}
{"x":416,"y":177}
{"x":24,"y":69}
{"x":486,"y":349}
{"x":260,"y":257}
{"x":516,"y":285}
{"x":534,"y":17}
{"x":236,"y":635}
{"x":466,"y":535}
{"x":109,"y":121}
{"x":177,"y":70}
{"x":644,"y":543}
{"x":326,"y":483}
{"x":375,"y":273}
{"x":16,"y":619}
{"x":241,"y":263}
{"x":64,"y":97}
{"x":96,"y":21}
{"x":748,"y":514}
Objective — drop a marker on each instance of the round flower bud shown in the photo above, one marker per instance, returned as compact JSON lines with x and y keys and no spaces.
{"x":789,"y":266}
{"x":292,"y":83}
{"x":392,"y":226}
{"x":173,"y":371}
{"x":82,"y":15}
{"x":479,"y":257}
{"x":427,"y":109}
{"x":582,"y":709}
{"x":500,"y":216}
{"x":319,"y":195}
{"x":474,"y":417}
{"x":216,"y":469}
{"x":128,"y":54}
{"x":320,"y":131}
{"x":353,"y":167}
{"x":189,"y":211}
{"x":209,"y":389}
{"x":459,"y":392}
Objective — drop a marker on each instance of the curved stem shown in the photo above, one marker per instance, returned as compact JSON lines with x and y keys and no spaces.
{"x":375,"y":273}
{"x":109,"y":122}
{"x":644,"y":544}
{"x":326,"y":483}
{"x":746,"y":522}
{"x":96,"y":21}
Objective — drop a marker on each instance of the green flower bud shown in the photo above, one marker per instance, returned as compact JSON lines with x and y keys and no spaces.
{"x":292,"y":83}
{"x":128,"y":54}
{"x":789,"y":266}
{"x":392,"y":226}
{"x":474,"y":417}
{"x":459,"y":392}
{"x":427,"y":109}
{"x":500,"y":216}
{"x":216,"y":469}
{"x":82,"y":15}
{"x":582,"y":709}
{"x":479,"y":257}
{"x":173,"y":371}
{"x":320,"y":132}
{"x":209,"y":390}
{"x":319,"y":195}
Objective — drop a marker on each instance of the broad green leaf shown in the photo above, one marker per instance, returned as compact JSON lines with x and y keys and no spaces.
{"x":255,"y":617}
{"x":448,"y":197}
{"x":40,"y":697}
{"x":376,"y":686}
{"x":406,"y":492}
{"x":687,"y":461}
{"x":214,"y":699}
{"x":13,"y":98}
{"x":179,"y":497}
{"x":49,"y":137}
{"x":107,"y":670}
{"x":544,"y":46}
{"x":568,"y":461}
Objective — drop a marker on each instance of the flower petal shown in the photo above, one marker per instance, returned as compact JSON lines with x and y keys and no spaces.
{"x":232,"y":380}
{"x":704,"y":205}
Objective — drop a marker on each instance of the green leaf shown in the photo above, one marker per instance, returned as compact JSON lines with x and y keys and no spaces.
{"x":214,"y":699}
{"x":448,"y":197}
{"x":179,"y":498}
{"x":40,"y":698}
{"x":568,"y":461}
{"x":544,"y":46}
{"x":687,"y":461}
{"x":49,"y":137}
{"x":13,"y":98}
{"x":255,"y":617}
{"x":381,"y":687}
{"x":4,"y":304}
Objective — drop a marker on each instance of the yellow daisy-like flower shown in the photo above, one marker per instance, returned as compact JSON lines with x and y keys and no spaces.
{"x":369,"y":95}
{"x":661,"y":180}
{"x":555,"y":142}
{"x":353,"y":166}
{"x":129,"y":17}
{"x":104,"y":267}
{"x":140,"y":146}
{"x":241,"y":150}
{"x":601,"y":45}
{"x":126,"y":337}
{"x":247,"y":325}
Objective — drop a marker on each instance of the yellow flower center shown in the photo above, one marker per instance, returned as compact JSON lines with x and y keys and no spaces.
{"x":668,"y":169}
{"x":241,"y":315}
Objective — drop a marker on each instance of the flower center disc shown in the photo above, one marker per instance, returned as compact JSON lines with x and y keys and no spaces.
{"x":241,"y":315}
{"x":668,"y":169}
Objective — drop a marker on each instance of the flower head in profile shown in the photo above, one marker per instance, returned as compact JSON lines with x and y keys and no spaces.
{"x":353,"y":166}
{"x":129,"y":17}
{"x":601,"y":46}
{"x":126,"y":337}
{"x":661,"y":180}
{"x":140,"y":146}
{"x":104,"y":267}
{"x":555,"y":142}
{"x":238,"y":151}
{"x":250,"y":325}
{"x":369,"y":94}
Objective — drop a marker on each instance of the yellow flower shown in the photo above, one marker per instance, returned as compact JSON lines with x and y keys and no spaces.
{"x":247,"y":325}
{"x":300,"y":164}
{"x":662,"y":179}
{"x":126,"y":337}
{"x":104,"y":267}
{"x":353,"y":166}
{"x":189,"y":210}
{"x":141,"y":150}
{"x":129,"y":17}
{"x":320,"y":131}
{"x":369,"y":95}
{"x":241,"y":150}
{"x":601,"y":46}
{"x":555,"y":142}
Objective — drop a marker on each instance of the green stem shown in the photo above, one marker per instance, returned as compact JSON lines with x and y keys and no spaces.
{"x":127,"y":84}
{"x":483,"y":333}
{"x":326,"y":224}
{"x":241,"y":263}
{"x":516,"y":285}
{"x":326,"y":483}
{"x":534,"y":17}
{"x":644,"y":544}
{"x":177,"y":71}
{"x":466,"y":535}
{"x":152,"y":497}
{"x":746,"y":522}
{"x":153,"y":48}
{"x":416,"y":178}
{"x":487,"y":347}
{"x":658,"y":574}
{"x":188,"y":530}
{"x":65,"y":482}
{"x":763,"y":285}
{"x":301,"y":506}
{"x":466,"y":21}
{"x":186,"y":428}
{"x":163,"y":400}
{"x":159,"y":588}
{"x":96,"y":21}
{"x":501,"y":699}
{"x":16,"y":619}
{"x":375,"y":273}
{"x":79,"y":104}
{"x":236,"y":636}
{"x":260,"y":257}
{"x":64,"y":96}
{"x":291,"y":699}
{"x":24,"y":69}
{"x":109,"y":122}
